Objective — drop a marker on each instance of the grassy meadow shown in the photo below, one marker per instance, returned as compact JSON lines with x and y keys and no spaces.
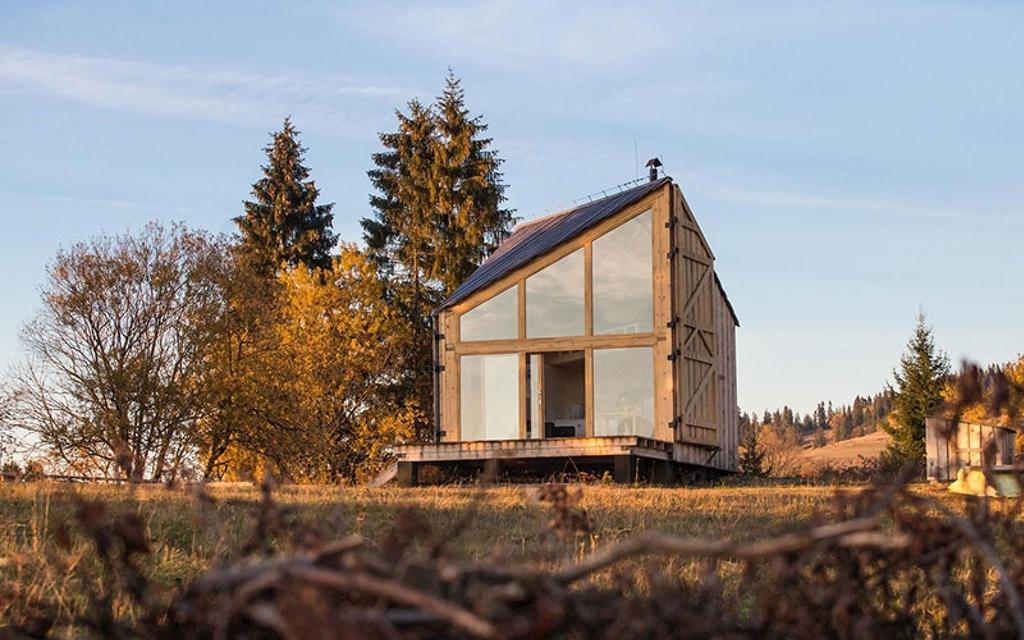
{"x":45,"y":559}
{"x":190,"y":533}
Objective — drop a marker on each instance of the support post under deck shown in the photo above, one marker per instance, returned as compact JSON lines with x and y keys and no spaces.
{"x":664,"y":472}
{"x":625,"y":469}
{"x":407,"y":474}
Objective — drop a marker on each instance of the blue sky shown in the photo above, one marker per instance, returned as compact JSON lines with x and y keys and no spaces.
{"x":849,"y":162}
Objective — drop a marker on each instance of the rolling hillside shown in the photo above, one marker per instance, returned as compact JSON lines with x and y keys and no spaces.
{"x":846,"y":452}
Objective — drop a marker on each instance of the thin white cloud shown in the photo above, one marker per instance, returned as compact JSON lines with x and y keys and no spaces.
{"x":337,"y":104}
{"x":606,"y":37}
{"x":111,"y":203}
{"x":613,"y":162}
{"x":519,"y":35}
{"x":740,"y":189}
{"x":780,"y":199}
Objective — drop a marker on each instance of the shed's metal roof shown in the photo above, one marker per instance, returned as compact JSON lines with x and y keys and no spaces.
{"x":532,"y":239}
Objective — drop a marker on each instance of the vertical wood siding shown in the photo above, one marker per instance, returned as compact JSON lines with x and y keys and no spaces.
{"x":728,"y":422}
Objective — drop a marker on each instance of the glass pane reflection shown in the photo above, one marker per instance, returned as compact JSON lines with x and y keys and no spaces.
{"x":495,"y":319}
{"x":554,"y":299}
{"x":622,"y":278}
{"x":489,"y":394}
{"x":624,"y":392}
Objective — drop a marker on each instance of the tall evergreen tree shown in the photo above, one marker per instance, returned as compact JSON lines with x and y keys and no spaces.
{"x":401,"y":241}
{"x":283,"y":224}
{"x":858,"y":412}
{"x":919,"y":382}
{"x":820,"y":417}
{"x":439,"y":193}
{"x":401,"y":237}
{"x":470,"y":190}
{"x":437,"y":214}
{"x":847,"y":430}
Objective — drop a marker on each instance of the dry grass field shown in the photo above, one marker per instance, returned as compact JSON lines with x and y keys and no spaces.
{"x":189,"y":534}
{"x":45,"y":562}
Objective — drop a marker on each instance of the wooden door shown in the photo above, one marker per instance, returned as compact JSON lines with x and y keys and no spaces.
{"x":696,"y":344}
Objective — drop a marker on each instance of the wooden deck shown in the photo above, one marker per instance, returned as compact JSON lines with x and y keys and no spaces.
{"x":539,"y":448}
{"x":629,"y":458}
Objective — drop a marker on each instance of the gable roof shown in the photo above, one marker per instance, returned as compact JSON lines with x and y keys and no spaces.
{"x":532,"y":239}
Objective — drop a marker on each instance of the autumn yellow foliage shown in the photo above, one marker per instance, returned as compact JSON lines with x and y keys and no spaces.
{"x":1005,"y":411}
{"x":325,"y":413}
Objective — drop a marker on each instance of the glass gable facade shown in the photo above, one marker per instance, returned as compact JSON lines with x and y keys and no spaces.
{"x":600,"y":374}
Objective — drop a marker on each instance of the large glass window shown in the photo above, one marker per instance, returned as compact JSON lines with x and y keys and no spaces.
{"x":489,"y":392}
{"x":554,"y":299}
{"x":622,"y":278}
{"x":624,"y":392}
{"x":495,"y":319}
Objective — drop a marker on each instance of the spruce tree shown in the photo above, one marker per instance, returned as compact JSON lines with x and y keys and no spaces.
{"x":847,"y":426}
{"x":437,"y":206}
{"x":918,"y":394}
{"x":820,"y":417}
{"x":751,"y":459}
{"x":858,"y":412}
{"x":471,"y":221}
{"x":283,"y":225}
{"x":436,"y":215}
{"x":400,"y":240}
{"x":401,"y":237}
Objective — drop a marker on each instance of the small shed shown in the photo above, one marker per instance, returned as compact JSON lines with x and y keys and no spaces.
{"x":951,"y":446}
{"x":598,"y":338}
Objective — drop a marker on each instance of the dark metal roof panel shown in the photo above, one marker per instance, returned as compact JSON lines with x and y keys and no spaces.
{"x":533,"y":239}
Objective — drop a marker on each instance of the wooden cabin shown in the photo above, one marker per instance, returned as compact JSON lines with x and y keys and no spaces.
{"x":596,"y":339}
{"x":951,"y":446}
